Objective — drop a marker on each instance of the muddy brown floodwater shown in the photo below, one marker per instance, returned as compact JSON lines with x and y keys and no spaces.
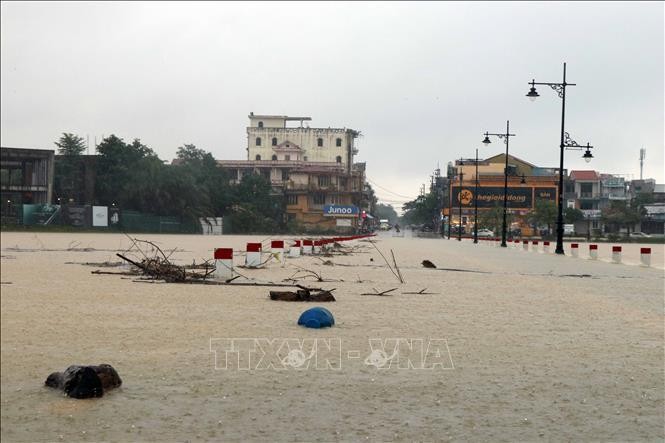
{"x":528,"y":347}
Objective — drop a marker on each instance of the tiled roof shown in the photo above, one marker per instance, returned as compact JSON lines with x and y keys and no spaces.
{"x":584,"y":175}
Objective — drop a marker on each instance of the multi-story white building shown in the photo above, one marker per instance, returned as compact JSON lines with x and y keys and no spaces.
{"x":311,"y":167}
{"x":268,"y":138}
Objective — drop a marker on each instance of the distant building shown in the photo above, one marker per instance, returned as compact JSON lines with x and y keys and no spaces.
{"x":26,"y":176}
{"x":527,"y":183}
{"x":312,"y":168}
{"x":268,"y":138}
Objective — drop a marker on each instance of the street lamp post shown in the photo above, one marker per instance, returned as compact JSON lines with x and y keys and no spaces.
{"x":459,"y":198}
{"x":566,"y":143}
{"x":475,"y":204}
{"x":506,"y":140}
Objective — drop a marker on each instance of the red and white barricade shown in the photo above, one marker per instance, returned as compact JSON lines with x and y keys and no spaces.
{"x":616,"y":254}
{"x":277,"y":250}
{"x":253,"y":257}
{"x":593,"y":252}
{"x":525,"y":245}
{"x":534,"y":246}
{"x":645,"y":256}
{"x":295,"y":249}
{"x":223,"y":263}
{"x":307,"y":247}
{"x":575,"y":249}
{"x":317,"y":246}
{"x":546,"y":247}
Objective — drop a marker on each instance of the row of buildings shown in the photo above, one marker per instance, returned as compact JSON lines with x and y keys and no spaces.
{"x":313,"y":169}
{"x":325,"y":189}
{"x":587,"y":190}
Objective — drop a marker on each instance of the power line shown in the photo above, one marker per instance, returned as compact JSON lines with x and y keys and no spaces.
{"x":388,"y":190}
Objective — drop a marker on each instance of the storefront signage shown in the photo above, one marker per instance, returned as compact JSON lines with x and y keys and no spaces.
{"x":490,"y":196}
{"x":340,"y":211}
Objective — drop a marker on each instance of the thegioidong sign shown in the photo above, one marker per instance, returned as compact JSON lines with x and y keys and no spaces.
{"x":490,"y":196}
{"x":340,"y":211}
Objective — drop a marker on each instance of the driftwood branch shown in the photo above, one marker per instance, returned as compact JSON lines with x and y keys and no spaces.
{"x":380,"y":293}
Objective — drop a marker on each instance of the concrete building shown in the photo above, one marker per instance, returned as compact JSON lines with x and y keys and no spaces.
{"x":312,"y":168}
{"x":527,"y":183}
{"x":26,"y":177}
{"x":268,"y":138}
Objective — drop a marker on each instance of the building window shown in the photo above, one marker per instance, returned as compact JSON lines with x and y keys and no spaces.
{"x":285,"y":174}
{"x":338,"y":142}
{"x":292,"y":199}
{"x":339,"y":159}
{"x":324,"y":180}
{"x":319,"y":198}
{"x":319,"y":142}
{"x":304,"y":158}
{"x":274,"y":157}
{"x":274,"y":141}
{"x":258,"y":157}
{"x":258,"y":141}
{"x":343,"y":182}
{"x":287,"y":157}
{"x":260,"y":124}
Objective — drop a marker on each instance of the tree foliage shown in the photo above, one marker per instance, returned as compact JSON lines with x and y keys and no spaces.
{"x":131,"y":176}
{"x":423,"y":210}
{"x":544,"y":213}
{"x":621,"y":214}
{"x":492,"y":219}
{"x":572,"y":215}
{"x":68,"y":179}
{"x":382,"y":211}
{"x":70,"y":144}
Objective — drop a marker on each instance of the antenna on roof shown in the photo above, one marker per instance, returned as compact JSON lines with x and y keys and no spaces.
{"x":643,"y":155}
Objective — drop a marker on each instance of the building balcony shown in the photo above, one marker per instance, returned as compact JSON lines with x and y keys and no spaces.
{"x":589,"y":196}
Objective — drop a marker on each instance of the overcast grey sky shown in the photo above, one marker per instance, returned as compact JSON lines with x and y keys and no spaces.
{"x":422,"y":81}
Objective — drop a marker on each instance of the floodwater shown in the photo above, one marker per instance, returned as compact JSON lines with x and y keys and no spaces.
{"x":517,"y":345}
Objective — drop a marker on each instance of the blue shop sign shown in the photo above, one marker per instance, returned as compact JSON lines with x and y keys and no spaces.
{"x":340,"y":211}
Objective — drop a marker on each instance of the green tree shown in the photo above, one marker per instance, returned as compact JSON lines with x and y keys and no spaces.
{"x":70,"y":144}
{"x":492,"y":219}
{"x":544,"y":213}
{"x":255,"y":207}
{"x":123,"y":170}
{"x":422,"y":210}
{"x":625,"y":214}
{"x":68,"y":177}
{"x":572,"y":215}
{"x":385,"y":212}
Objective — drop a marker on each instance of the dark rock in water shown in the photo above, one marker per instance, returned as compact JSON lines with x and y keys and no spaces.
{"x":302,"y":295}
{"x":108,"y":376}
{"x":429,"y":264}
{"x":55,"y":380}
{"x":85,"y":381}
{"x":82,"y":382}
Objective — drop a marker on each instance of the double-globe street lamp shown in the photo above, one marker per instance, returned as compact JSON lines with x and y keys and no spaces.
{"x":566,"y":143}
{"x":506,"y":140}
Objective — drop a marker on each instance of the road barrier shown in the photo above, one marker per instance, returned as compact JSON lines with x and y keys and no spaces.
{"x":277,"y":250}
{"x":223,"y":263}
{"x":593,"y":252}
{"x":575,"y":249}
{"x":253,"y":257}
{"x":645,"y":256}
{"x":295,"y":249}
{"x":616,"y":254}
